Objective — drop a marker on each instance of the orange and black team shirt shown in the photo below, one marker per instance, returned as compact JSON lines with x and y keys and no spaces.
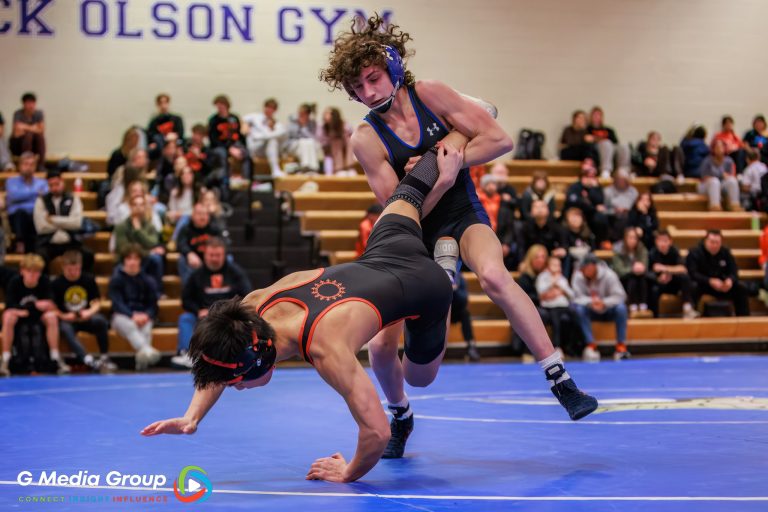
{"x":336,"y":285}
{"x":224,"y":131}
{"x":603,"y":133}
{"x":163,"y":124}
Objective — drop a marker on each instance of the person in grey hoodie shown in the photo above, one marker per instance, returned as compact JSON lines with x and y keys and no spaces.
{"x":620,"y":196}
{"x":599,"y":295}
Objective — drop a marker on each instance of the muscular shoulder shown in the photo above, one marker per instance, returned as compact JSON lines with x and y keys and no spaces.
{"x":256,"y":297}
{"x":367,"y":147}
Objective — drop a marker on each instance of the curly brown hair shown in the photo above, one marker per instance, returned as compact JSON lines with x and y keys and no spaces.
{"x":361,"y":47}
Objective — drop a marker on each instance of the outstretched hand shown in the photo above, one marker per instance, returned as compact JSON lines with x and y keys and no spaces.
{"x":170,"y":426}
{"x":330,"y":469}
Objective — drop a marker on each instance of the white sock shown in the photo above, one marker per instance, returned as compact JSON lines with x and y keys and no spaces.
{"x":55,"y":354}
{"x":6,"y":356}
{"x":88,"y":359}
{"x":401,"y":405}
{"x":552,"y":365}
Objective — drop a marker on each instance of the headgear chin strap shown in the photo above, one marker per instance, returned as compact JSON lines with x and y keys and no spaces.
{"x":396,"y":71}
{"x":254,"y":362}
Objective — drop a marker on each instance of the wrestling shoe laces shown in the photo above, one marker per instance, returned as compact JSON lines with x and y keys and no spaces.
{"x":576,"y":402}
{"x":400,"y":430}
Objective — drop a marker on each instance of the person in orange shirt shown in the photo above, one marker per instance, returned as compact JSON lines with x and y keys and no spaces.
{"x":490,"y":198}
{"x":366,"y":226}
{"x":734,"y":146}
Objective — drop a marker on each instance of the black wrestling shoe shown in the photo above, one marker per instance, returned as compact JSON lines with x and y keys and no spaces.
{"x":576,"y":402}
{"x":400,"y":430}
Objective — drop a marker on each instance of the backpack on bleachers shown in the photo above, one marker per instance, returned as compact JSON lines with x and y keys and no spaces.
{"x":529,"y":145}
{"x":30,"y":350}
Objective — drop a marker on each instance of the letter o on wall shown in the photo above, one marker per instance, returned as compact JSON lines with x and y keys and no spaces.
{"x":207,"y":14}
{"x":86,"y":9}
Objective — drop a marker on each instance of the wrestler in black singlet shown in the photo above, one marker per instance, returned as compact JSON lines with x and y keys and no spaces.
{"x":395,"y":276}
{"x":459,"y":207}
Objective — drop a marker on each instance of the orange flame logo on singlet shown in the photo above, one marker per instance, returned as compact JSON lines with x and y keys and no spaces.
{"x":328,"y":290}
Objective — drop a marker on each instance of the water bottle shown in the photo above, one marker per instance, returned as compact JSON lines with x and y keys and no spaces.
{"x":755,"y":221}
{"x":78,"y":184}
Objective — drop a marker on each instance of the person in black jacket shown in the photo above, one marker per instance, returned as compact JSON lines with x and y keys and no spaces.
{"x":28,"y":300}
{"x":542,"y":229}
{"x":587,"y":195}
{"x":217,"y":279}
{"x":192,"y":239}
{"x":669,"y":275}
{"x":643,"y":218}
{"x":713,"y":269}
{"x":134,"y":306}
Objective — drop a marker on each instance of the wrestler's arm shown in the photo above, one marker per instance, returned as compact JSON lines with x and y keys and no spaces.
{"x":201,"y":403}
{"x":343,"y":372}
{"x":487,"y":140}
{"x":382,"y":177}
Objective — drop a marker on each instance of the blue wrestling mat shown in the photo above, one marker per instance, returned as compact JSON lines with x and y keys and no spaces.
{"x":672,"y":435}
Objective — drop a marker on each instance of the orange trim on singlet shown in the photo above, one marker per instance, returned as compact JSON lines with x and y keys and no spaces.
{"x":292,"y":287}
{"x":298,"y":303}
{"x":323,"y":313}
{"x":393,"y":322}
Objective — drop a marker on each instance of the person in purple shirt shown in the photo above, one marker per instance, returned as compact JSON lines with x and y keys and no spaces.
{"x":21,"y":193}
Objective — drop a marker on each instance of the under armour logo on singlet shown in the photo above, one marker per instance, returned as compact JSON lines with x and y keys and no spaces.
{"x":433,"y":129}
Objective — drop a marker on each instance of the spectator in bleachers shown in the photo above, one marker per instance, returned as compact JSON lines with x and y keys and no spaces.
{"x":587,"y":195}
{"x":599,"y":295}
{"x":670,"y":275}
{"x":607,"y":144}
{"x":460,"y":314}
{"x":302,"y":142}
{"x":216,"y":210}
{"x":556,"y":295}
{"x":576,"y":143}
{"x":138,"y":230}
{"x":58,"y":217}
{"x":509,"y":199}
{"x":134,"y":189}
{"x":196,"y":152}
{"x":334,"y":134}
{"x":579,"y":238}
{"x":226,"y":140}
{"x":757,"y":137}
{"x":166,"y":169}
{"x":718,"y":175}
{"x":372,"y":214}
{"x":78,"y":303}
{"x":539,"y":189}
{"x":21,"y":193}
{"x":541,"y":229}
{"x":734,"y":146}
{"x":695,"y":150}
{"x":184,"y":195}
{"x":117,"y":159}
{"x":216,"y":279}
{"x":752,"y":179}
{"x":29,"y":130}
{"x":657,"y":160}
{"x":266,"y":135}
{"x":134,"y":306}
{"x":630,"y":262}
{"x":191,"y":241}
{"x":620,"y":196}
{"x":133,"y":170}
{"x":163,"y":125}
{"x":643,"y":218}
{"x":713,"y":268}
{"x":6,"y":162}
{"x":533,"y":264}
{"x":490,"y":198}
{"x":28,"y":300}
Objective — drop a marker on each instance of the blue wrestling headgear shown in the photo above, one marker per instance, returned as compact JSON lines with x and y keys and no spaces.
{"x":255,"y":361}
{"x":396,"y":71}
